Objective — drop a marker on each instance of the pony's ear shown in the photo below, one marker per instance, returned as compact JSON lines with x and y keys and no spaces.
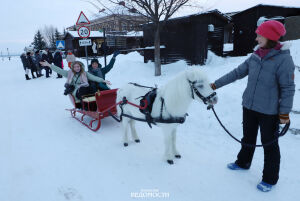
{"x":191,"y":75}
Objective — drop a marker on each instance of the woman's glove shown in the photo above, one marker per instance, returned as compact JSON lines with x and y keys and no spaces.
{"x":213,"y":86}
{"x":284,"y":118}
{"x":116,"y":53}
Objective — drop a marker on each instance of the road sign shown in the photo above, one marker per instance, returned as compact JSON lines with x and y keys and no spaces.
{"x":82,"y":19}
{"x":85,"y":42}
{"x":83,"y":32}
{"x":60,"y":44}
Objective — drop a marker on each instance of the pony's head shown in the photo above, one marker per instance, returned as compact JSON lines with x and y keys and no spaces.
{"x":200,"y":87}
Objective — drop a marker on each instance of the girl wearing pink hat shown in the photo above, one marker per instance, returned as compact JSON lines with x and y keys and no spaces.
{"x":267,"y":99}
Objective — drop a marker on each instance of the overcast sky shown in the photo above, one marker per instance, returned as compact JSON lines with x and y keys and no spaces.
{"x":22,"y":18}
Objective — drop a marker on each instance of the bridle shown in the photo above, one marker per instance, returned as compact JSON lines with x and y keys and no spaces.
{"x":195,"y":90}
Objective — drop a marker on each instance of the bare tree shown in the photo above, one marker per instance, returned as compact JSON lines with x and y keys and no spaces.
{"x":48,"y":33}
{"x":156,"y":11}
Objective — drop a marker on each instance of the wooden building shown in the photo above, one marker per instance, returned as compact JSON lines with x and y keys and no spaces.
{"x":114,"y":40}
{"x":245,"y":24}
{"x":115,"y":22}
{"x":190,"y":37}
{"x":72,"y":42}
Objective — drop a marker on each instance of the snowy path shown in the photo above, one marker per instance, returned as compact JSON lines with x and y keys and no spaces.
{"x":46,"y":155}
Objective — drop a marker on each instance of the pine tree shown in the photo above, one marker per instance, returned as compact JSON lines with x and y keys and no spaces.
{"x":53,"y":42}
{"x":38,"y":41}
{"x":35,"y":43}
{"x":57,"y":35}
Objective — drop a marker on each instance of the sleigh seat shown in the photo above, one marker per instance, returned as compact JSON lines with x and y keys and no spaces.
{"x":89,"y":102}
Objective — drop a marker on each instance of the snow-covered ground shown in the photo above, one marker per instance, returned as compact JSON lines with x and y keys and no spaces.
{"x":45,"y":155}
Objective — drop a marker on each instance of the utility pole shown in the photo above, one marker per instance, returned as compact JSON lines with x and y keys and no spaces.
{"x":105,"y":47}
{"x":8,"y":54}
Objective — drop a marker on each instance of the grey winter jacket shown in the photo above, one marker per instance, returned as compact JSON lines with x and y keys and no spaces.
{"x":270,"y":88}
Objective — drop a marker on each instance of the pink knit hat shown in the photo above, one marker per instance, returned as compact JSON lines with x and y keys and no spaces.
{"x":271,"y":29}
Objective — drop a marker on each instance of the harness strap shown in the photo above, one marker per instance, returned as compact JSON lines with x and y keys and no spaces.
{"x":138,"y":85}
{"x":150,"y":120}
{"x":178,"y":120}
{"x":162,"y":106}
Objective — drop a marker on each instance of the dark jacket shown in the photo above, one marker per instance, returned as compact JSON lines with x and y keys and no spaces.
{"x":101,"y":72}
{"x":57,"y":60}
{"x":24,"y":61}
{"x":270,"y":88}
{"x":50,"y":57}
{"x":31,"y":63}
{"x":37,"y":59}
{"x":45,"y":58}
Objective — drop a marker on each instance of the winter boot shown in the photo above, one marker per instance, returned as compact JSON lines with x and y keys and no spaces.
{"x":27,"y":77}
{"x":264,"y":187}
{"x":234,"y":166}
{"x":37,"y":74}
{"x":33,"y":77}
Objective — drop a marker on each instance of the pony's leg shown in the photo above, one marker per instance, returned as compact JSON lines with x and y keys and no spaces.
{"x":125,"y":123}
{"x":174,"y":149}
{"x":168,"y":145}
{"x":133,"y":131}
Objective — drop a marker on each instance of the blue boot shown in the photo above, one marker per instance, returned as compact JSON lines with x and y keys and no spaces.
{"x":234,"y":166}
{"x":264,"y":187}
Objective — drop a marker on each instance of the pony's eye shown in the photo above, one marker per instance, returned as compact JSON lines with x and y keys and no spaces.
{"x":198,"y":85}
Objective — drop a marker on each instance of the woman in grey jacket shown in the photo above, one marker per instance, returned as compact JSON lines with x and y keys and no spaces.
{"x":267,"y":99}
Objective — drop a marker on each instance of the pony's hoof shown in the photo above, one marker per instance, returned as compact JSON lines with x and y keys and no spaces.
{"x":177,"y":156}
{"x":171,"y":162}
{"x":137,"y":141}
{"x":125,"y":144}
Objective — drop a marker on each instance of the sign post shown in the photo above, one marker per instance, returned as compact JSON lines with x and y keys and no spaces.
{"x":84,"y":32}
{"x":104,"y":46}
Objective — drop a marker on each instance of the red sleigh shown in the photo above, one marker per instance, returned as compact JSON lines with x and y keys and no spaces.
{"x":93,"y":108}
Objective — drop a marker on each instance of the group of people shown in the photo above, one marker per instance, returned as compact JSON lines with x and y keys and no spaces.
{"x":31,"y":62}
{"x":79,"y":82}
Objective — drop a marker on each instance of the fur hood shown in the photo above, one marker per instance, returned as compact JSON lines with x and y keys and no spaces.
{"x":285,"y":46}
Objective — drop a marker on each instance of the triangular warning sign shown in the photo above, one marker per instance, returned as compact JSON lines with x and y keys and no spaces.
{"x":82,"y":19}
{"x":60,"y":45}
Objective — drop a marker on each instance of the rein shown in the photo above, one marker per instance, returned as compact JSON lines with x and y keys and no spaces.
{"x":277,"y":134}
{"x":206,"y":99}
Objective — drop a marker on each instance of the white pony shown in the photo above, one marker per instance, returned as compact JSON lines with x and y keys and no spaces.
{"x":177,"y":94}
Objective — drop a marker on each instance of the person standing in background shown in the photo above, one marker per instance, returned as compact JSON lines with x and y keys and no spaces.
{"x":50,"y":59}
{"x":37,"y":59}
{"x":46,"y":58}
{"x":25,"y":65}
{"x":57,"y":61}
{"x":70,"y":58}
{"x":31,"y":64}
